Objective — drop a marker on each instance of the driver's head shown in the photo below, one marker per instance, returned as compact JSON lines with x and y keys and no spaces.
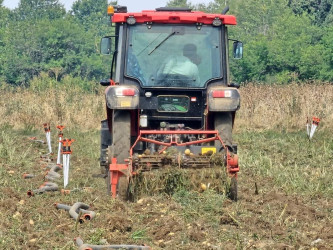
{"x":190,"y":51}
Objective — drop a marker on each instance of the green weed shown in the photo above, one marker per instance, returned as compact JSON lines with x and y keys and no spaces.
{"x":290,"y":159}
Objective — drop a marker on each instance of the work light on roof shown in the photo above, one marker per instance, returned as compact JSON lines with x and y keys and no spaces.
{"x":131,"y":20}
{"x":110,"y":10}
{"x":217,"y":22}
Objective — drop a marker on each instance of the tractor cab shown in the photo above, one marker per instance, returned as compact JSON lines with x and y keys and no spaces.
{"x":169,"y":72}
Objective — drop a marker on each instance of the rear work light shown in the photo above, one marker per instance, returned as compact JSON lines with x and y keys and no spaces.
{"x":217,"y":22}
{"x":131,"y":20}
{"x":221,"y":93}
{"x":125,"y":92}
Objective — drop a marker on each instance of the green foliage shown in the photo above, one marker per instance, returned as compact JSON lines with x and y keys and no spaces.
{"x":196,"y":204}
{"x":91,"y":14}
{"x":39,"y":9}
{"x":291,"y":160}
{"x":55,"y":46}
{"x":139,"y":235}
{"x":97,"y":236}
{"x":284,"y":40}
{"x":44,"y":82}
{"x":39,"y":36}
{"x":179,"y":3}
{"x":321,"y":10}
{"x":279,"y":46}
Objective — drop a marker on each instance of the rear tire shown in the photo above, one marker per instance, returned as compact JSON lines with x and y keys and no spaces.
{"x":121,"y":137}
{"x":223,"y":123}
{"x":105,"y":143}
{"x":233,"y":189}
{"x":123,"y":188}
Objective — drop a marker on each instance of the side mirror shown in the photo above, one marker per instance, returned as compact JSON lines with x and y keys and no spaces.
{"x":234,"y":85}
{"x":105,"y":82}
{"x":238,"y":49}
{"x":106,"y":46}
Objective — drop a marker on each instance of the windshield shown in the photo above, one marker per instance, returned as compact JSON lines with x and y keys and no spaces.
{"x":173,"y":55}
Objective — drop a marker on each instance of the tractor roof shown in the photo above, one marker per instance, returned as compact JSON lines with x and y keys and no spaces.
{"x":181,"y":16}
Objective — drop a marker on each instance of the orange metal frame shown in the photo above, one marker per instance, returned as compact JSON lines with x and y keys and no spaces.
{"x":116,"y":169}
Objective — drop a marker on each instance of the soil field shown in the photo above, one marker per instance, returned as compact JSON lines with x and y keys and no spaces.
{"x":285,"y":199}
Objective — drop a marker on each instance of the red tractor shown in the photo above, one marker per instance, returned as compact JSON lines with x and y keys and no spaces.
{"x":169,"y":88}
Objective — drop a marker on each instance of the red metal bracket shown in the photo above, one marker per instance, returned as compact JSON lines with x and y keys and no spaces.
{"x":173,"y":142}
{"x":115,"y":173}
{"x":232,"y":164}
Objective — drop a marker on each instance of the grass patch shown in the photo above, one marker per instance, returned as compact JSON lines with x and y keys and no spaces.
{"x":296,"y":164}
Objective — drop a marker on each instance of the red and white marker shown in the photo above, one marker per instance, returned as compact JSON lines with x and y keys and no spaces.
{"x":314,"y":125}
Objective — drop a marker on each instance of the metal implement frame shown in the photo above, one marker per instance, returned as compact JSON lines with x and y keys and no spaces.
{"x":117,"y":170}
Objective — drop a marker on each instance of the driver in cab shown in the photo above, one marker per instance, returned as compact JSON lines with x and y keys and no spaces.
{"x":182,"y":65}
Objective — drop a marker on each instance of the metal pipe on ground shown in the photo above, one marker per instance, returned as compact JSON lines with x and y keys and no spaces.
{"x":76,"y":207}
{"x":55,"y":168}
{"x":50,"y":165}
{"x":48,"y":184}
{"x":87,"y":214}
{"x":28,"y":176}
{"x":50,"y":178}
{"x":52,"y":173}
{"x":46,"y":187}
{"x":62,"y":206}
{"x":82,"y":246}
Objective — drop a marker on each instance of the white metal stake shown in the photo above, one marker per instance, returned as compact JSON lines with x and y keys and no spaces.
{"x":59,"y":151}
{"x":65,"y":169}
{"x":315,"y":123}
{"x":313,"y":130}
{"x":68,"y":157}
{"x":50,"y":148}
{"x":48,"y":137}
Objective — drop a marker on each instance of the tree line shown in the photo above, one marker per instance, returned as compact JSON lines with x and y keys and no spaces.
{"x":284,"y":40}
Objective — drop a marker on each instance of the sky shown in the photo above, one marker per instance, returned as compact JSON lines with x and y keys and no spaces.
{"x":132,"y":5}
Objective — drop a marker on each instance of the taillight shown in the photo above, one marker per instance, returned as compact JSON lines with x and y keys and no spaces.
{"x":125,"y":92}
{"x":221,"y":93}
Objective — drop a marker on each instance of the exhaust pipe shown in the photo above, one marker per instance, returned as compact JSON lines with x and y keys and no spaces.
{"x":225,"y":10}
{"x":82,"y":246}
